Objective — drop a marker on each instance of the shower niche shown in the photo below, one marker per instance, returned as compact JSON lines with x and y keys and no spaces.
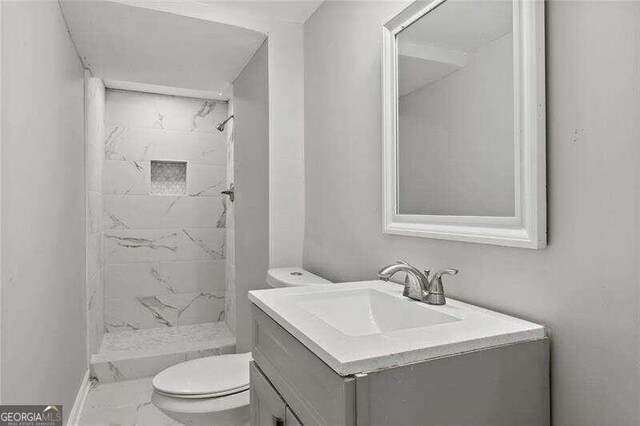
{"x":168,"y":177}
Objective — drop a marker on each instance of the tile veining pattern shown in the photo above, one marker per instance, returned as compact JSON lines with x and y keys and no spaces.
{"x":136,"y":354}
{"x":164,"y":254}
{"x":230,"y":302}
{"x":94,"y":165}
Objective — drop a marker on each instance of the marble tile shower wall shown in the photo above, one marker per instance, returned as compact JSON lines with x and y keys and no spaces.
{"x":164,"y":254}
{"x":94,"y":164}
{"x":230,"y":302}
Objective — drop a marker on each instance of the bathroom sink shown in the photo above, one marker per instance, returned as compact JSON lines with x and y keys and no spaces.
{"x":366,"y":311}
{"x":366,"y":326}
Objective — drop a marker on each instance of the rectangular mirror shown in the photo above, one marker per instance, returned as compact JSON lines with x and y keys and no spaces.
{"x":464,"y":122}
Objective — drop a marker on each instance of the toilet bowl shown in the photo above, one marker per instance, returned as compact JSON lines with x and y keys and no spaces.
{"x":215,"y":390}
{"x":206,"y":391}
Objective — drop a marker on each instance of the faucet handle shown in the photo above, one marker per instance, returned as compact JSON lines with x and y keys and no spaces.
{"x":447,"y":271}
{"x":435,"y":294}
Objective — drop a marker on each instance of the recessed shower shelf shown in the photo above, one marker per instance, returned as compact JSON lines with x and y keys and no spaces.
{"x":168,"y":177}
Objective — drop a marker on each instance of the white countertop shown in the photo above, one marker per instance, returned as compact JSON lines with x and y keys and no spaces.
{"x":474,"y":328}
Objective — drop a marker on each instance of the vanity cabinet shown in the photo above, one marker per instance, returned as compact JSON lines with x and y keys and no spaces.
{"x":267,"y":407}
{"x":500,"y":386}
{"x":313,"y":391}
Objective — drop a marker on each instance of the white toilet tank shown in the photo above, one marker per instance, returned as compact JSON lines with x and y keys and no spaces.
{"x":291,"y":277}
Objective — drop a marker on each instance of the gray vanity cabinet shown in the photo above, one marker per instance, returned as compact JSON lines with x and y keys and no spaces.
{"x":267,"y":407}
{"x":500,"y":386}
{"x":312,"y":390}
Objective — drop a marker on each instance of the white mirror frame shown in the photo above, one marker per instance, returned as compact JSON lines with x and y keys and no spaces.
{"x":528,"y":228}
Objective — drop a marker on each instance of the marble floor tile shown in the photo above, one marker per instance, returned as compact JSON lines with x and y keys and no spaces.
{"x":125,"y":403}
{"x":123,"y":416}
{"x":115,"y":395}
{"x":148,"y":415}
{"x":134,"y":368}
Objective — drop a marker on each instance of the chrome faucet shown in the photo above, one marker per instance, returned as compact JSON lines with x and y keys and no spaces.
{"x":417,"y":285}
{"x":435,"y":291}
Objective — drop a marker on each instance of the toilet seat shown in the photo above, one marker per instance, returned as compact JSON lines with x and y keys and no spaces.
{"x":177,"y":404}
{"x":211,"y":377}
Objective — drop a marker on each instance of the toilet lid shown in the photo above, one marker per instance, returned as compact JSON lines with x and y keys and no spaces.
{"x":208,"y":377}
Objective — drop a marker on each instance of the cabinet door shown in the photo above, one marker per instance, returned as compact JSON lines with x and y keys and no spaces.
{"x":267,"y":408}
{"x":317,"y":394}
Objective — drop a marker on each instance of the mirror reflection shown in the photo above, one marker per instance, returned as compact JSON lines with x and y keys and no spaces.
{"x":456,"y":111}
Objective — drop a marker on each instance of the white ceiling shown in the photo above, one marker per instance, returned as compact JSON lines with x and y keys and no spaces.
{"x":132,"y":45}
{"x":258,"y":15}
{"x":297,"y":11}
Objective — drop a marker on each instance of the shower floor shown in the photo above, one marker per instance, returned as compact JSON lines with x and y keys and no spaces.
{"x":138,"y":354}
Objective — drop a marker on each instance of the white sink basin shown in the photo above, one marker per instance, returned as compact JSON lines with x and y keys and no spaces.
{"x":365,"y":311}
{"x":366,"y":326}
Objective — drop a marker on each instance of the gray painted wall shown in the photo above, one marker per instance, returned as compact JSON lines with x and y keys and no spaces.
{"x":251,"y":170}
{"x":584,"y":286}
{"x":43,"y":212}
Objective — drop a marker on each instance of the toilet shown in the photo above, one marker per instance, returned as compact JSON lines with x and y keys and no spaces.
{"x":215,"y":390}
